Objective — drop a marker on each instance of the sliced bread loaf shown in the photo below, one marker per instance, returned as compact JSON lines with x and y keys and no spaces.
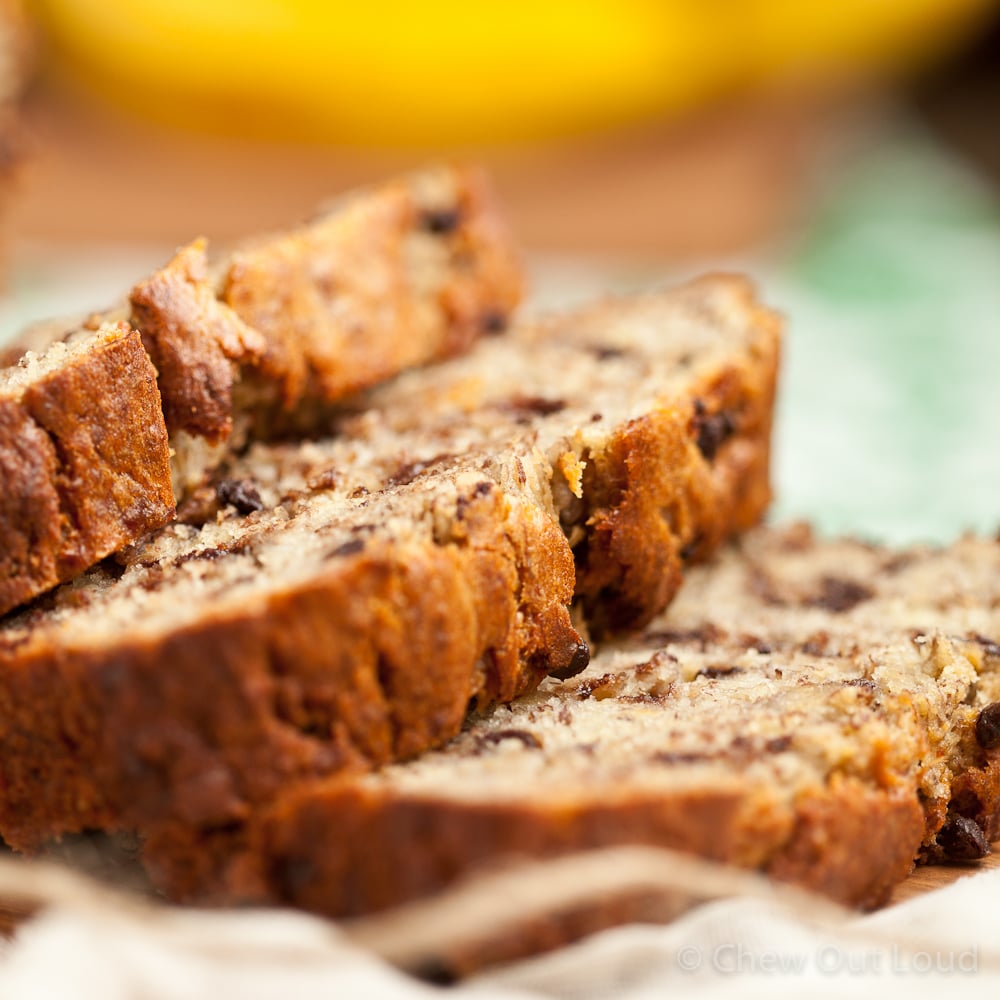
{"x":84,"y":459}
{"x":336,"y":604}
{"x":828,"y":727}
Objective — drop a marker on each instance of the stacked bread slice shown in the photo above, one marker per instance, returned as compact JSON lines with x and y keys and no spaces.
{"x":326,"y":606}
{"x":355,"y":667}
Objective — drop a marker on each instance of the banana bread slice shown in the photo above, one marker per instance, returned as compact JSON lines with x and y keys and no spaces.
{"x":272,"y":335}
{"x":829,"y":737}
{"x":653,"y":443}
{"x":84,"y":460}
{"x":263,"y":638}
{"x":653,"y":414}
{"x":328,"y":634}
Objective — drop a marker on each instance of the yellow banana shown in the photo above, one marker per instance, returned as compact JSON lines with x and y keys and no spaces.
{"x":459,"y":72}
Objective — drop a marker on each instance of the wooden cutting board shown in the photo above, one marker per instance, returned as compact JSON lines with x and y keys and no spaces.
{"x":926,"y":878}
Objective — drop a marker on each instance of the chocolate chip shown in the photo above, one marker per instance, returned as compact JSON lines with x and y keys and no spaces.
{"x":838,"y":595}
{"x":493,"y":322}
{"x":603,"y":353}
{"x":531,"y":741}
{"x":711,"y":430}
{"x":241,"y":494}
{"x":526,"y":406}
{"x":862,"y":682}
{"x":440,"y":221}
{"x":680,"y":757}
{"x":988,"y":727}
{"x":778,"y":744}
{"x":435,"y":970}
{"x":712,"y":672}
{"x":690,"y":549}
{"x":407,"y":472}
{"x":990,"y":648}
{"x":577,"y":664}
{"x":702,"y":635}
{"x":351,"y":548}
{"x":962,"y":839}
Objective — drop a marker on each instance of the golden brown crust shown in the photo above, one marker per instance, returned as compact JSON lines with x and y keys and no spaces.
{"x":672,"y":485}
{"x":388,"y":849}
{"x":84,"y":464}
{"x":486,"y":282}
{"x":197,"y":344}
{"x":387,"y":280}
{"x":375,"y":659}
{"x":552,"y":924}
{"x":518,"y":582}
{"x":363,"y":288}
{"x":855,"y":844}
{"x":344,"y":850}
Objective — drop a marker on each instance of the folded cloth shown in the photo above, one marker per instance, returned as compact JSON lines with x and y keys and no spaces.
{"x":89,"y":942}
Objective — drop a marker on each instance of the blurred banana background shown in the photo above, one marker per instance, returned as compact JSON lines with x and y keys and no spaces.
{"x":452,"y":72}
{"x":673,"y":128}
